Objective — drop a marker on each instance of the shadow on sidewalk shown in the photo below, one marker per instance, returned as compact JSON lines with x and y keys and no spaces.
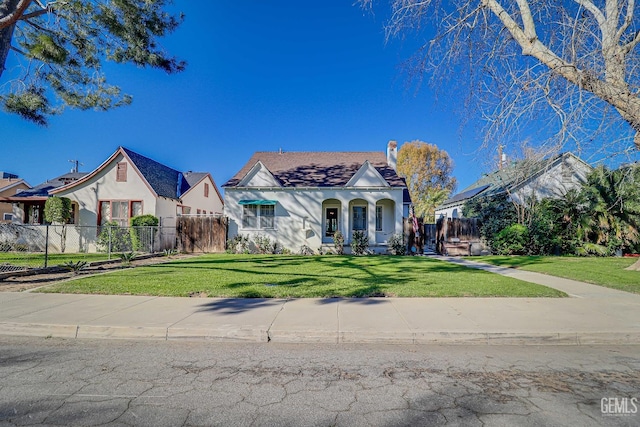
{"x":242,"y":305}
{"x":239,"y":305}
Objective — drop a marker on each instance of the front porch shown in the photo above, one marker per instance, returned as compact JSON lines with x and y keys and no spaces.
{"x":378,"y":219}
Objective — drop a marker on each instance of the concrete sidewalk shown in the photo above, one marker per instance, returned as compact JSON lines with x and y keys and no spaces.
{"x":572,"y":288}
{"x":591,"y":315}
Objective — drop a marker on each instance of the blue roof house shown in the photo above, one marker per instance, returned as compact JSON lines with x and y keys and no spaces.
{"x":128,"y":184}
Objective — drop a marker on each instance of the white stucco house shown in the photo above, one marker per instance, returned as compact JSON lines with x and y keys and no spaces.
{"x":302,"y":198}
{"x":547,"y":178}
{"x":128,"y":184}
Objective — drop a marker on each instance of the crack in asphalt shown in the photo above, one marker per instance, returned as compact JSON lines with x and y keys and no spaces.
{"x":105,"y":383}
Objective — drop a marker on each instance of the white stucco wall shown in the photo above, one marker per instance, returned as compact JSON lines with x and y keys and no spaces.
{"x":195,"y":199}
{"x":449,"y":212}
{"x":570,"y":174}
{"x":299,"y":214}
{"x":103,"y":186}
{"x":555,"y":183}
{"x":166,"y":211}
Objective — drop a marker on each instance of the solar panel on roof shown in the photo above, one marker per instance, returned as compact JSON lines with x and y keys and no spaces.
{"x":467,"y":194}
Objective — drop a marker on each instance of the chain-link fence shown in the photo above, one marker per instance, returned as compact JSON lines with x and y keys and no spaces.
{"x":36,"y":246}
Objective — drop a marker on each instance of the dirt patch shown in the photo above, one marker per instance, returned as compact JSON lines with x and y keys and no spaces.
{"x":23,"y":283}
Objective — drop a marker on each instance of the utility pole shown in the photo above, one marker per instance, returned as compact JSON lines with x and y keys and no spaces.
{"x":76,"y":164}
{"x":502,"y":158}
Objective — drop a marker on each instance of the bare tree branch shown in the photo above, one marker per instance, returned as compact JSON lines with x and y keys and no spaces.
{"x":574,"y":61}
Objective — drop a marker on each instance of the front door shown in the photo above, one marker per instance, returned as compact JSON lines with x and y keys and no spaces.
{"x":331,"y":221}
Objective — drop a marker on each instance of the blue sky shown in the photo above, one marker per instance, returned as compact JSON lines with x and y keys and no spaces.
{"x":300,"y":76}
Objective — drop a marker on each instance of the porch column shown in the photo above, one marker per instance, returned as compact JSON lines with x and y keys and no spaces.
{"x":344,"y":224}
{"x":399,"y":220}
{"x":371,"y":222}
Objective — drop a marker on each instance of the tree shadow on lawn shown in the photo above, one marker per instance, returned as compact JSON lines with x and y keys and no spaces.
{"x":368,"y":281}
{"x":263,"y":260}
{"x":368,"y":265}
{"x":305,"y":287}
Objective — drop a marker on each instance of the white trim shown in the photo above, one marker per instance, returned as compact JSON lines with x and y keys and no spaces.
{"x":366,"y":168}
{"x":259,"y":166}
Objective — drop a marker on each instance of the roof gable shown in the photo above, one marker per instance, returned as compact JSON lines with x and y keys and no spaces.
{"x":367,"y":176}
{"x":195,"y":178}
{"x":162,"y":180}
{"x":317,"y":169}
{"x":9,"y":184}
{"x":259,"y":176}
{"x":515,"y":176}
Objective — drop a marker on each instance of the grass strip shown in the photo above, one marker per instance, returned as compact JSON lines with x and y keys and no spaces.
{"x":606,"y":271}
{"x":282,"y":276}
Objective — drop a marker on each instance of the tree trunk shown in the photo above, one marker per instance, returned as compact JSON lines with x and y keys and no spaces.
{"x":10,"y":12}
{"x":5,"y":45}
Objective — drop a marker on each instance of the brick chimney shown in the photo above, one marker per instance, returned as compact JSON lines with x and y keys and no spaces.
{"x":392,"y":154}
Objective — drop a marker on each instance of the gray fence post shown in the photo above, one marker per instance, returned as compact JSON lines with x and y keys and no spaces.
{"x":46,"y":247}
{"x":109,"y":246}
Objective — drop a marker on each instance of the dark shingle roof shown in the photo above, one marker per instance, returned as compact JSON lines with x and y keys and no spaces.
{"x":317,"y":169}
{"x":42,"y":190}
{"x":194,"y":177}
{"x":165,"y":181}
{"x":510,"y":177}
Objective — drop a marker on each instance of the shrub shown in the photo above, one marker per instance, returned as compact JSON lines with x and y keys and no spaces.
{"x":127,"y":257}
{"x":306,"y":250}
{"x":495,"y":213}
{"x":397,"y":244}
{"x":512,"y":240}
{"x":264,"y":245}
{"x":590,"y":249}
{"x":141,"y":225}
{"x":57,"y":210}
{"x":359,"y":243}
{"x":238,"y":245}
{"x":119,"y":238}
{"x":75,"y":267}
{"x":170,"y":252}
{"x":338,"y":242}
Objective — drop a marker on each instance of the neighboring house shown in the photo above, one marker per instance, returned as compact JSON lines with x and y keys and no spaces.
{"x":10,"y":184}
{"x":128,"y":184}
{"x":302,"y":198}
{"x":28,"y":205}
{"x":548,"y":178}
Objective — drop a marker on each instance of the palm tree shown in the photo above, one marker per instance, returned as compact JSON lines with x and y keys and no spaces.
{"x":572,"y":219}
{"x":613,"y":199}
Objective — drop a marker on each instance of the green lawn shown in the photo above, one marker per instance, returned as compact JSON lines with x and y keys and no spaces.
{"x":36,"y":259}
{"x":609,"y":272}
{"x":278,"y":276}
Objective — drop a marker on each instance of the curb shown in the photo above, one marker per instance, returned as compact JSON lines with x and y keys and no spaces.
{"x":318,"y":337}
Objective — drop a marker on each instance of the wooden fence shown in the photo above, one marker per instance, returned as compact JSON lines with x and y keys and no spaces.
{"x":456,"y":236}
{"x":201,"y":234}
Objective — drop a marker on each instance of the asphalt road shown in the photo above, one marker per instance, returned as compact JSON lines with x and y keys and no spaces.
{"x":175,"y":383}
